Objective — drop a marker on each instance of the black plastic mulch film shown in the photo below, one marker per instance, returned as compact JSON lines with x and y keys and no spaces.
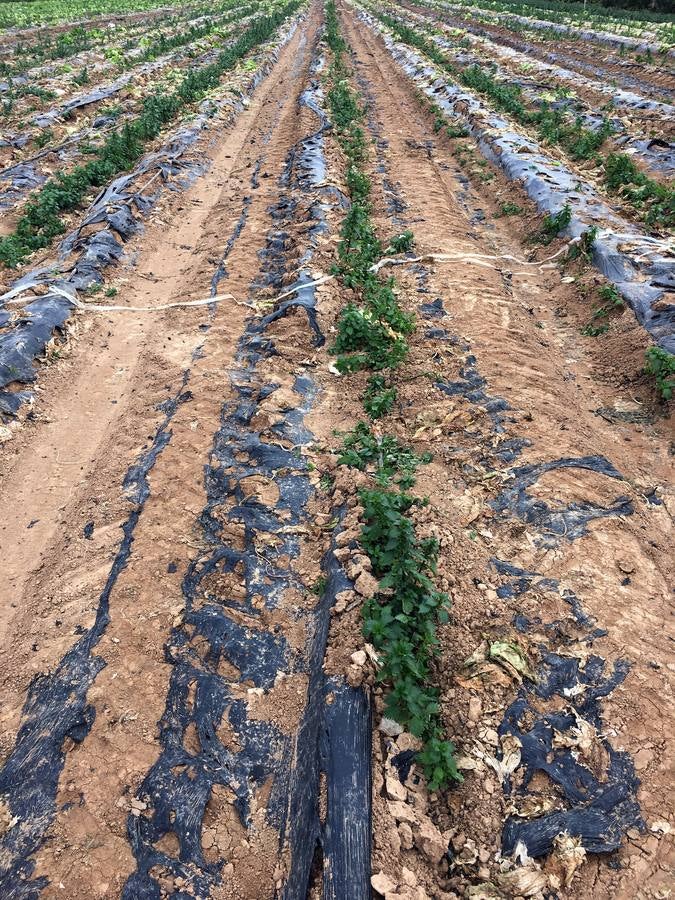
{"x":334,"y":735}
{"x":597,"y":812}
{"x":120,"y":208}
{"x":637,"y":263}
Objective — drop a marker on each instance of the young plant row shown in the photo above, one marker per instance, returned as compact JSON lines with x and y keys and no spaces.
{"x":659,"y":363}
{"x":562,"y":12}
{"x":24,"y":13}
{"x":652,"y":202}
{"x":401,"y":620}
{"x":69,"y":43}
{"x":215,"y":28}
{"x":43,"y":217}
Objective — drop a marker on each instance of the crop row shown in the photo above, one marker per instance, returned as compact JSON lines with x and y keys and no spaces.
{"x":100,"y":110}
{"x":30,"y":93}
{"x":637,"y":264}
{"x":646,"y":198}
{"x":633,"y":26}
{"x":557,"y":96}
{"x":401,"y":620}
{"x":43,"y":217}
{"x":27,"y":13}
{"x":626,"y":84}
{"x":46,"y":49}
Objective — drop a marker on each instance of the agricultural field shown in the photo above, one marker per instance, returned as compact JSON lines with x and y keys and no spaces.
{"x":337,"y":362}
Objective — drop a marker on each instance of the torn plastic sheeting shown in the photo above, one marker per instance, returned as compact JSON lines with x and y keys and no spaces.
{"x":599,"y":809}
{"x":642,"y":275}
{"x":294,"y":763}
{"x":24,"y":179}
{"x":56,"y":708}
{"x":347,"y":755}
{"x":598,"y":812}
{"x":84,"y":56}
{"x":334,"y":740}
{"x":23,"y":340}
{"x":552,"y":524}
{"x":28,"y":336}
{"x":522,"y":580}
{"x":101,"y":93}
{"x":11,"y":402}
{"x":471,"y":385}
{"x":662,"y":153}
{"x":568,"y":521}
{"x":587,"y":34}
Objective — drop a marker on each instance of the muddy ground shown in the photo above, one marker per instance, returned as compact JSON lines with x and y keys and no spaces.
{"x":148,"y":738}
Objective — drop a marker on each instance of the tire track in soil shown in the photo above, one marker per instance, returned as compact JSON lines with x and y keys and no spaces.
{"x":577,"y":507}
{"x":109,"y":737}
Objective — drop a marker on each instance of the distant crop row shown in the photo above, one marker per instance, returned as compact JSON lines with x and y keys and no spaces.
{"x":649,"y":199}
{"x":37,"y":12}
{"x":44,"y":219}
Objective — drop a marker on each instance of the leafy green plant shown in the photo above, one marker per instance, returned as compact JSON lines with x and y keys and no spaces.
{"x":378,"y":399}
{"x":552,"y":225}
{"x":82,"y":77}
{"x":401,"y":243}
{"x":661,"y":364}
{"x":42,"y":219}
{"x":362,"y":450}
{"x":510,"y":209}
{"x":583,"y":248}
{"x":401,"y":619}
{"x":592,"y":330}
{"x":610,"y":301}
{"x":319,"y":586}
{"x":43,"y":138}
{"x":657,"y":201}
{"x":456,"y":131}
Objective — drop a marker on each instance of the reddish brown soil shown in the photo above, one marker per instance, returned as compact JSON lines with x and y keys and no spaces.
{"x":96,"y":410}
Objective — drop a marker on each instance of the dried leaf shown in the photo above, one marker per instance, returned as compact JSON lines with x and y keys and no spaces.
{"x":512,"y":658}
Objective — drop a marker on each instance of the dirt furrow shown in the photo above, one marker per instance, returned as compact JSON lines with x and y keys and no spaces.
{"x":118,"y":672}
{"x":565,"y":554}
{"x":189,"y":705}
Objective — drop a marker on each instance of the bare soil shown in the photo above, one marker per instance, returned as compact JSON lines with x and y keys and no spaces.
{"x":102,"y":398}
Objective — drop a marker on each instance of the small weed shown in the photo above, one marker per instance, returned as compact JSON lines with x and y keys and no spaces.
{"x":583,"y":248}
{"x":319,"y":586}
{"x":456,"y":131}
{"x":401,"y":243}
{"x":610,"y":301}
{"x":44,"y":138}
{"x":661,"y":365}
{"x":610,"y":297}
{"x":510,"y":209}
{"x":82,"y":77}
{"x":594,"y":330}
{"x":378,"y":399}
{"x":553,"y":225}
